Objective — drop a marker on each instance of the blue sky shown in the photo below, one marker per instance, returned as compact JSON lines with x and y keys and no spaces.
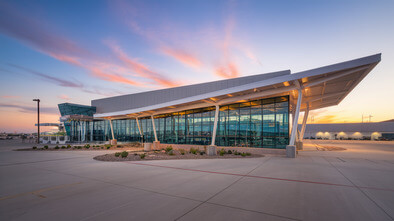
{"x":76,"y":51}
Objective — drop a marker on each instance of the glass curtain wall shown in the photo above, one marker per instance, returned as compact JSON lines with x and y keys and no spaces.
{"x":259,"y":123}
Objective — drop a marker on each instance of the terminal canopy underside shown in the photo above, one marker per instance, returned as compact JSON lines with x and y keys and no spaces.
{"x":321,"y":87}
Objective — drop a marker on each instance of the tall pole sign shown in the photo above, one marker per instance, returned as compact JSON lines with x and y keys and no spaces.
{"x":38,"y":119}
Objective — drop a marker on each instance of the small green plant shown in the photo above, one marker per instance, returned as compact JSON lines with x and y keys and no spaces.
{"x":63,"y":147}
{"x":243,"y":154}
{"x":119,"y":146}
{"x":57,"y":147}
{"x":117,"y":154}
{"x":237,"y":153}
{"x":222,"y":152}
{"x":142,"y":156}
{"x":87,"y":146}
{"x":68,"y":146}
{"x":34,"y":147}
{"x":168,"y":149}
{"x":230,"y":152}
{"x":248,"y":154}
{"x":182,"y":151}
{"x":108,"y":146}
{"x":135,"y":154}
{"x":124,"y":154}
{"x":193,"y":150}
{"x":102,"y":147}
{"x":202,"y":153}
{"x":46,"y":146}
{"x":171,"y":153}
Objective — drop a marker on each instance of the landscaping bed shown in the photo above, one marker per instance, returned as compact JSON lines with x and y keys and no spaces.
{"x":84,"y":147}
{"x":172,"y":154}
{"x":328,"y":148}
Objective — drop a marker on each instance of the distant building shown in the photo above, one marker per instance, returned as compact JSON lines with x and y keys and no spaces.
{"x":355,"y":131}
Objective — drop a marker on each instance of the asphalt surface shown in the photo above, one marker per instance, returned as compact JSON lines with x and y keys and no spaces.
{"x":354,"y":184}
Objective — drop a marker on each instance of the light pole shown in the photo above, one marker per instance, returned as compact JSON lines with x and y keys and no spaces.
{"x":38,"y":119}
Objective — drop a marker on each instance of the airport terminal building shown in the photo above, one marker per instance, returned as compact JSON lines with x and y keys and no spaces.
{"x":253,"y":111}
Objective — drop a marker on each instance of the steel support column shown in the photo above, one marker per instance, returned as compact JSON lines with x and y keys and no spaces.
{"x":295,"y":120}
{"x":139,"y":127}
{"x":112,"y":129}
{"x":154,"y":127}
{"x":304,"y":122}
{"x":215,"y":125}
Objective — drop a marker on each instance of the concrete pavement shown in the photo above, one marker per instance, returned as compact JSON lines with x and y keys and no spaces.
{"x":356,"y":184}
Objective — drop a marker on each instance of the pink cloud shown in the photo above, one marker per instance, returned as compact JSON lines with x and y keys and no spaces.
{"x":10,"y":96}
{"x":112,"y":77}
{"x":42,"y":38}
{"x":30,"y":109}
{"x":227,"y":68}
{"x":141,"y":69}
{"x":68,"y":83}
{"x":163,"y":44}
{"x":64,"y":97}
{"x":182,"y":56}
{"x":230,"y":70}
{"x":35,"y":33}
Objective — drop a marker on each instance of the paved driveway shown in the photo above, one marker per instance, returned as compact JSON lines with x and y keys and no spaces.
{"x":356,"y":184}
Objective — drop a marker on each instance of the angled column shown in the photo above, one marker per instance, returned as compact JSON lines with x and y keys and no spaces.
{"x":212,"y":147}
{"x":291,"y":148}
{"x":156,"y":143}
{"x":139,"y":127}
{"x":154,"y":127}
{"x":113,"y":141}
{"x":304,"y":122}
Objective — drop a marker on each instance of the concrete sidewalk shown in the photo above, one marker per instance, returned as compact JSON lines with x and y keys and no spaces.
{"x":317,"y":185}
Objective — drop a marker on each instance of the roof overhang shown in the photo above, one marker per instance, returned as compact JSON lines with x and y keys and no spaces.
{"x":321,"y":87}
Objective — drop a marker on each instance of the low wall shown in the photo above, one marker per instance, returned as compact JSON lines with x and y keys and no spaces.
{"x":265,"y":151}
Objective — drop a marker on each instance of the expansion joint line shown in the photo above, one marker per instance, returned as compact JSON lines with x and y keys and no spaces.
{"x":366,"y":195}
{"x":206,"y":201}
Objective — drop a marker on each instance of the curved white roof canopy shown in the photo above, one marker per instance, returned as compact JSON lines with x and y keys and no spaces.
{"x":321,"y":87}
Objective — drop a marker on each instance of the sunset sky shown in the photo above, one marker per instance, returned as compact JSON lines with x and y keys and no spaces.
{"x":76,"y":51}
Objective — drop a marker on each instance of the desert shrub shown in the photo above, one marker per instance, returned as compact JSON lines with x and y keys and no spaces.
{"x":34,"y":148}
{"x":222,"y":152}
{"x":168,"y":149}
{"x":63,"y":147}
{"x":124,"y":154}
{"x":87,"y":146}
{"x":230,"y":152}
{"x":193,"y":150}
{"x":46,"y":146}
{"x":117,"y":154}
{"x":142,"y":156}
{"x":57,"y":147}
{"x":182,"y":151}
{"x":171,"y":153}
